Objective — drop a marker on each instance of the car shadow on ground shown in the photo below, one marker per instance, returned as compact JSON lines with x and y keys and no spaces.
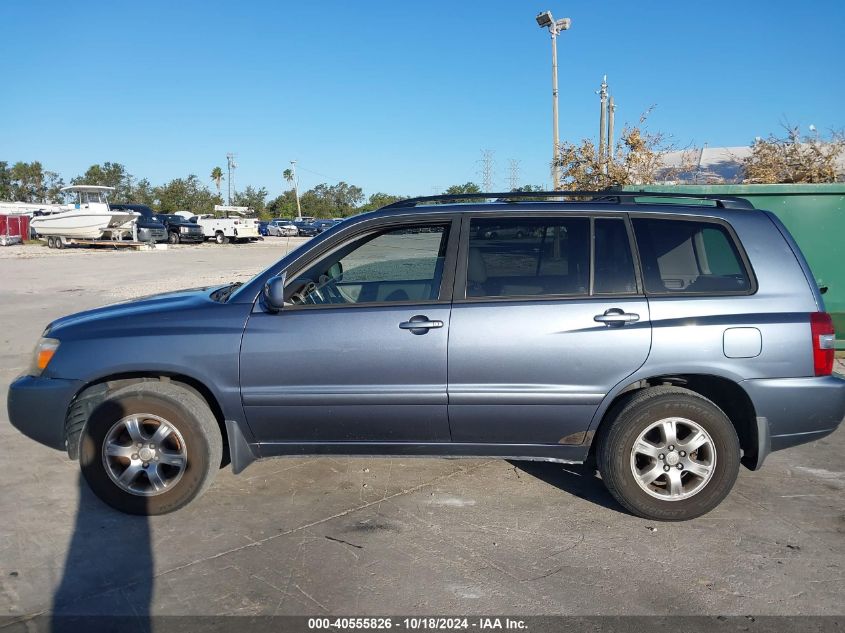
{"x":108,"y":569}
{"x":580,"y":480}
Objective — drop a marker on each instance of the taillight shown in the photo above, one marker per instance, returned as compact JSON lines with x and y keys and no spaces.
{"x":821,"y":326}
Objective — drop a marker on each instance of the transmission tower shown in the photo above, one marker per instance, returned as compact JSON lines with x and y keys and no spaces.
{"x":513,"y":175}
{"x":231,"y":166}
{"x":487,"y":167}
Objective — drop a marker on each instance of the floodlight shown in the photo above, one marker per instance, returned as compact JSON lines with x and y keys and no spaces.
{"x":563,"y":24}
{"x":545,"y":19}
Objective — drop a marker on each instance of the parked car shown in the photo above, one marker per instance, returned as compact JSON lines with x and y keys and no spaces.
{"x":307,"y":229}
{"x":262,"y":228}
{"x":668,"y":342}
{"x":282,"y":227}
{"x":325,"y":225}
{"x":150,"y":228}
{"x":181,"y":230}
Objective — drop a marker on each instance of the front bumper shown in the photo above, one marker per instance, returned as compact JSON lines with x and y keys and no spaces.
{"x":152,"y":235}
{"x":193,"y":236}
{"x":38,"y":407}
{"x":792,"y":411}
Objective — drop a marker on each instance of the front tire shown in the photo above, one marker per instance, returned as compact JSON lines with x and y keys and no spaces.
{"x":173,"y":237}
{"x":668,"y":454}
{"x":219,"y":237}
{"x":150,"y":448}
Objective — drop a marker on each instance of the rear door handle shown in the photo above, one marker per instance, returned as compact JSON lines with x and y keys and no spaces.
{"x":420,"y":324}
{"x":616,"y":317}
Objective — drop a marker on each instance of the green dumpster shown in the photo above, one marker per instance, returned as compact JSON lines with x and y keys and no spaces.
{"x":814,"y":214}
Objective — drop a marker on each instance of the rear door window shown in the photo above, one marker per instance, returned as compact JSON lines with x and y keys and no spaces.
{"x":684,"y":256}
{"x":528,"y":257}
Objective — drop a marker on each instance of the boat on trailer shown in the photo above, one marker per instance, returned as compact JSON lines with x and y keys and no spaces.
{"x":88,"y":218}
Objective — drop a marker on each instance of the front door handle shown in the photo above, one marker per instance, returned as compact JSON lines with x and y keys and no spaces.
{"x":616,"y":317}
{"x":420,"y":324}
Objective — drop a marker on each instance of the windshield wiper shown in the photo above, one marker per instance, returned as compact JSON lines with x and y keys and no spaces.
{"x":222,"y":294}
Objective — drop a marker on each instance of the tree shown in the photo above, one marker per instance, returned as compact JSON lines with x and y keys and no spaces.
{"x":143,"y":193}
{"x":252,"y":198}
{"x":467,"y":187}
{"x":288,"y":175}
{"x":793,"y":159}
{"x":5,"y":181}
{"x":217,"y":177}
{"x":637,"y":159}
{"x":109,"y":175}
{"x":325,"y":201}
{"x":282,"y":206}
{"x":186,"y":194}
{"x":379,"y":200}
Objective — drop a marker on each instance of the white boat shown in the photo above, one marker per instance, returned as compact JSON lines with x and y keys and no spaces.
{"x":88,"y":218}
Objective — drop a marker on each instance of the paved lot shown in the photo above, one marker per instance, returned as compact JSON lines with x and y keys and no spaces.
{"x":367,"y":536}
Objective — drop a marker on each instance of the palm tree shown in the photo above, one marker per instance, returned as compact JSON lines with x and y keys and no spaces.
{"x":291,"y":178}
{"x":217,"y":177}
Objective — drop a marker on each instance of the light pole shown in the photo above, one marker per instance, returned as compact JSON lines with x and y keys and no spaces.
{"x":546,"y":20}
{"x":296,"y":189}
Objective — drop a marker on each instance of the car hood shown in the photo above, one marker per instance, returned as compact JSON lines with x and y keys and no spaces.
{"x":159,"y":305}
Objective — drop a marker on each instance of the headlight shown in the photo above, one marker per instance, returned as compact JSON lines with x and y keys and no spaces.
{"x":43,"y":354}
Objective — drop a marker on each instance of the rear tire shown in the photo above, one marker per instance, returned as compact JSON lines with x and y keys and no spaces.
{"x":59,"y":243}
{"x":219,"y":237}
{"x":50,"y":242}
{"x":643,"y":463}
{"x":150,"y":448}
{"x":173,"y":237}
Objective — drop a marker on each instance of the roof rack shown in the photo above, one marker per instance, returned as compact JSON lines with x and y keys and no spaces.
{"x":611,"y":196}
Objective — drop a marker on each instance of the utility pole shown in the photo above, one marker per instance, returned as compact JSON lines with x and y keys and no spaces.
{"x":230,"y":166}
{"x":545,"y":20}
{"x":603,"y":123}
{"x":296,"y":189}
{"x":487,"y":169}
{"x":611,"y":109}
{"x":513,"y":177}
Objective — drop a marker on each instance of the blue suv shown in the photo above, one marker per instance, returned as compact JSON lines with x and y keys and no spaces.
{"x":666,"y":340}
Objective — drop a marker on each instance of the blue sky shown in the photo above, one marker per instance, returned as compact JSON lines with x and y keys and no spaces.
{"x":395,"y":96}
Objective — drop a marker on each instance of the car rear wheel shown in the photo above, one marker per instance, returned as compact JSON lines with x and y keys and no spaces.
{"x":668,"y":454}
{"x":150,"y":448}
{"x":219,"y":237}
{"x":173,"y":237}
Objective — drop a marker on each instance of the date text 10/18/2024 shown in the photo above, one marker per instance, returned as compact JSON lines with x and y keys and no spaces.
{"x":418,"y":623}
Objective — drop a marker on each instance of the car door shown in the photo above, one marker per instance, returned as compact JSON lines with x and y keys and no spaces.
{"x":548,"y":316}
{"x":358,"y":354}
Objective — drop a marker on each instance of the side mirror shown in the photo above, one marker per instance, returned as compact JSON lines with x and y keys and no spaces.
{"x":274,"y":293}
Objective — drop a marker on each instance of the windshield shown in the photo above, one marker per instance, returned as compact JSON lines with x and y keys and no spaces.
{"x":91,"y":197}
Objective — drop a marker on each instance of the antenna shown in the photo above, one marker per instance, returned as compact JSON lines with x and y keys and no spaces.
{"x":487,"y":169}
{"x":513,"y":176}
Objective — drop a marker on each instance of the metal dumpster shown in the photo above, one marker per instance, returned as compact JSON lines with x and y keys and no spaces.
{"x":814,"y":214}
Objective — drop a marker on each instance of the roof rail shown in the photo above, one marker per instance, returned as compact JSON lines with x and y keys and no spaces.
{"x":612,"y":196}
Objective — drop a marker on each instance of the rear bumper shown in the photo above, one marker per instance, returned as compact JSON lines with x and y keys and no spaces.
{"x":38,"y":407}
{"x":792,"y":411}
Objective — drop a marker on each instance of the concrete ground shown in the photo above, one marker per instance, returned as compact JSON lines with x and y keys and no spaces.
{"x":383,"y":536}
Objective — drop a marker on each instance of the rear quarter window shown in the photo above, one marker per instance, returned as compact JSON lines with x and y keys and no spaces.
{"x":690,"y":257}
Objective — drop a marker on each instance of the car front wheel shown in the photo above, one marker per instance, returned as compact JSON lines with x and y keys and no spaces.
{"x":668,"y":454}
{"x":150,"y":448}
